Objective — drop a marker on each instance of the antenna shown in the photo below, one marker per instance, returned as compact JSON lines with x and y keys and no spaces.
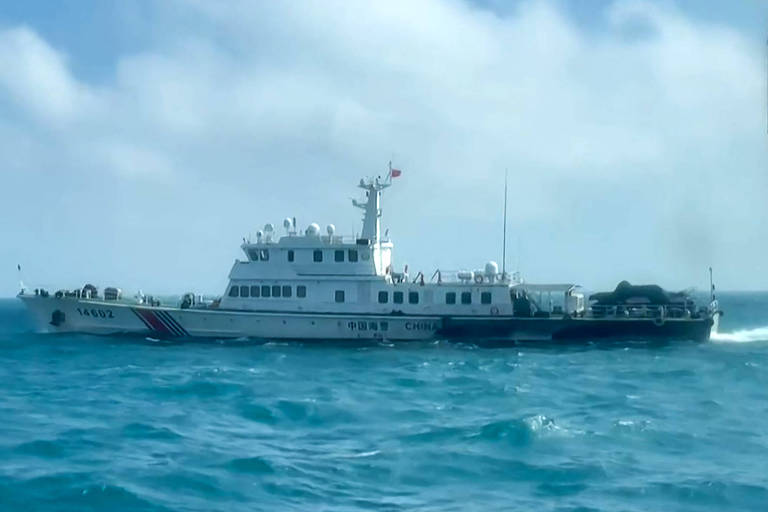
{"x":711,"y":285}
{"x":504,"y":248}
{"x":21,"y":281}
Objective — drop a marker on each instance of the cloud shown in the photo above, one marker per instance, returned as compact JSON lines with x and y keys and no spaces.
{"x":640,"y":143}
{"x":36,"y":75}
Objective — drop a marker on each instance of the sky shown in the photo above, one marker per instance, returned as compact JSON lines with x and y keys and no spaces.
{"x":141,"y":141}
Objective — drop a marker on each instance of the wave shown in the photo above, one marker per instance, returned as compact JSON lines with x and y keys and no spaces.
{"x":742,"y":336}
{"x":520,"y":432}
{"x":41,"y":448}
{"x":71,"y":491}
{"x":251,"y":465}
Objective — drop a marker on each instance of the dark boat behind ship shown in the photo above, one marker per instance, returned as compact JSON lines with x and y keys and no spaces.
{"x":630,"y":312}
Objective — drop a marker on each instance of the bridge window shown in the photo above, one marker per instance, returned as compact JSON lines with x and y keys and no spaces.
{"x":253,"y":254}
{"x":255,"y":291}
{"x":301,"y":291}
{"x":264,"y":255}
{"x":286,"y":291}
{"x":244,"y":291}
{"x":338,"y":255}
{"x":339,"y":296}
{"x":276,"y":290}
{"x":384,"y":326}
{"x":352,"y":255}
{"x":466,"y":297}
{"x":450,"y":298}
{"x":234,"y":291}
{"x":413,"y":297}
{"x":265,"y":291}
{"x":290,"y":255}
{"x":397,"y":297}
{"x":383,"y":297}
{"x":485,"y":298}
{"x":317,"y":256}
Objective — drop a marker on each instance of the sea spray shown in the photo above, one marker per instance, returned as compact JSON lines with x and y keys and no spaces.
{"x":742,"y":335}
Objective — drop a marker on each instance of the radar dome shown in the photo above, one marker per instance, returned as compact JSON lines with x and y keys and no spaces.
{"x":259,"y":234}
{"x":313,"y":229}
{"x":268,"y":228}
{"x":491,"y":268}
{"x":331,"y":229}
{"x":287,"y":223}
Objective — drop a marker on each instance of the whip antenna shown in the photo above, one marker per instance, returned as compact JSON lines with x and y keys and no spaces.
{"x":504,"y":248}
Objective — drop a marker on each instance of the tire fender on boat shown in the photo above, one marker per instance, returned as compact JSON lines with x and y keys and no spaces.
{"x":57,"y":318}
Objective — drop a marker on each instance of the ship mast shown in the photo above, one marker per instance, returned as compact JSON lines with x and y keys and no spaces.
{"x":371,"y":207}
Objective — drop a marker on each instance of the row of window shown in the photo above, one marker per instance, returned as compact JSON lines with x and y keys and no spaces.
{"x":450,"y":297}
{"x":466,"y":298}
{"x":352,"y":255}
{"x":338,"y":255}
{"x":265,"y":291}
{"x":258,"y":254}
{"x":398,"y":297}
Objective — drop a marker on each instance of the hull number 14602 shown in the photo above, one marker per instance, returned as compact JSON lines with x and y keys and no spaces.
{"x":98,"y":313}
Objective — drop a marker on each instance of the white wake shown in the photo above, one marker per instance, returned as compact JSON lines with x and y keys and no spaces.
{"x":742,"y":336}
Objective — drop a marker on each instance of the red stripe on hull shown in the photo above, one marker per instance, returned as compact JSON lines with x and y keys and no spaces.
{"x":155,"y":322}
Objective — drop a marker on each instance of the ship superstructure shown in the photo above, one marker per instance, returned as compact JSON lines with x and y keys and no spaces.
{"x":324,"y":272}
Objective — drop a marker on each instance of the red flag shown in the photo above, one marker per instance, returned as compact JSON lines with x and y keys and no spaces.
{"x":396,"y":172}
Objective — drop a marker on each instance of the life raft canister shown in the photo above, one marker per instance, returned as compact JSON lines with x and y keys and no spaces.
{"x":478,"y":278}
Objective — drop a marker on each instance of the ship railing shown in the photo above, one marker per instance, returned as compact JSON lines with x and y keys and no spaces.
{"x":654,"y":311}
{"x":324,"y":238}
{"x":442,"y":276}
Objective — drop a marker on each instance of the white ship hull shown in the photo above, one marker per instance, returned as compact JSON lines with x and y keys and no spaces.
{"x":107,"y":318}
{"x":61,"y":315}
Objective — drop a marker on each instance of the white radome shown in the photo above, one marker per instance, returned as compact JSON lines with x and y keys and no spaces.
{"x":491,"y":269}
{"x":313,"y":229}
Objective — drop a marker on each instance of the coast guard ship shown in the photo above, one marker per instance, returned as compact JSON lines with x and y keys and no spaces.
{"x":314,"y":285}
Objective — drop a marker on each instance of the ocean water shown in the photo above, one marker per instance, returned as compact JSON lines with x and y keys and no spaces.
{"x":93,"y":423}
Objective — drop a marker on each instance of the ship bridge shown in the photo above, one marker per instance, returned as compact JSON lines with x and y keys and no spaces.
{"x":313,"y":254}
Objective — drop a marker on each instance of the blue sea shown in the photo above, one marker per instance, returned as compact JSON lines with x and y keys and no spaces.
{"x":96,"y":423}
